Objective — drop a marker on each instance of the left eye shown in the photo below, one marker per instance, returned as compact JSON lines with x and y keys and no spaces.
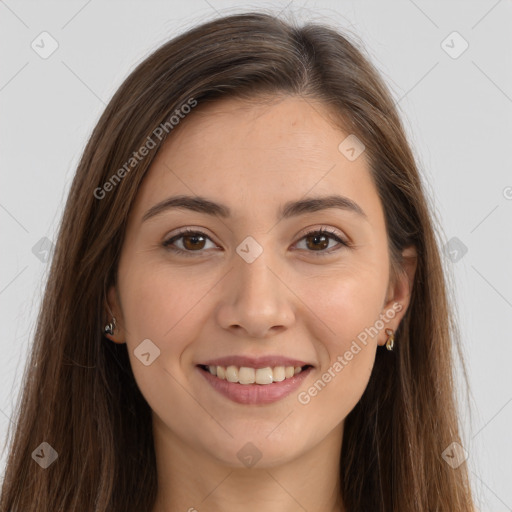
{"x":321,"y":238}
{"x":193,"y":241}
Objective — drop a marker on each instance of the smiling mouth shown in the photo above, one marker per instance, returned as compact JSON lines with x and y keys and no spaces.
{"x":247,"y":375}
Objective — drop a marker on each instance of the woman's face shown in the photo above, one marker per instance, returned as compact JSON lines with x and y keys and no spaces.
{"x":255,"y":283}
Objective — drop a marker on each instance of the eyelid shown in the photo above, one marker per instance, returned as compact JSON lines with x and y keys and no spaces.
{"x":324,"y":229}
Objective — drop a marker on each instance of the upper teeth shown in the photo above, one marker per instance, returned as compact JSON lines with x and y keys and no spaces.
{"x":246,"y":375}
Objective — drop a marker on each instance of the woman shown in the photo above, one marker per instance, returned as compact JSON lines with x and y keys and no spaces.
{"x":246,"y":306}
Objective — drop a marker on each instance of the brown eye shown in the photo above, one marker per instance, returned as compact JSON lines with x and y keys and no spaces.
{"x":318,"y":241}
{"x":191,"y":241}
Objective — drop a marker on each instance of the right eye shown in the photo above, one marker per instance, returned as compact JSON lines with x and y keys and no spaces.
{"x":194,"y":239}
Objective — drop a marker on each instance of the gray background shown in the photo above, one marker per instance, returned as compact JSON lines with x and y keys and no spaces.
{"x":457,"y":111}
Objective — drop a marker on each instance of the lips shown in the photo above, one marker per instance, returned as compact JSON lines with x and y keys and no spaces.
{"x":255,"y":380}
{"x":255,"y":393}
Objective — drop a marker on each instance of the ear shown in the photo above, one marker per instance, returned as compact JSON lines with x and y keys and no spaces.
{"x":400,"y":291}
{"x":113,"y":307}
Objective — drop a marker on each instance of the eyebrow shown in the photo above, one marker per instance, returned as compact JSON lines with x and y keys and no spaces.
{"x":288,"y":210}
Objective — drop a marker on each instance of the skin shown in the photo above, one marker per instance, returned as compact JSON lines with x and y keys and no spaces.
{"x":253,"y":157}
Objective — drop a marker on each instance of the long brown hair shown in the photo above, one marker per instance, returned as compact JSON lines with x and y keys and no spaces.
{"x":79,"y":394}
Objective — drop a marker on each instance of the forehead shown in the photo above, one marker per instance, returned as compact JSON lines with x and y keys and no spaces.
{"x":282,"y":128}
{"x":257,"y":154}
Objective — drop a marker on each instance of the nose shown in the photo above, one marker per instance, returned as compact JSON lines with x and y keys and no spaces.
{"x":256,"y":301}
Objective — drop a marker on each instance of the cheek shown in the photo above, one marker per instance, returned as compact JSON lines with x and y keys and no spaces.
{"x":164,"y":307}
{"x":348,"y":345}
{"x":159,"y":303}
{"x":349,"y":307}
{"x":349,"y":303}
{"x":158,"y":306}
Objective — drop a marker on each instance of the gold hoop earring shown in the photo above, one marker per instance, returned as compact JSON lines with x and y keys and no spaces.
{"x":390,"y":343}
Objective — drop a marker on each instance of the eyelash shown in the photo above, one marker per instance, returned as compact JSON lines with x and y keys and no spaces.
{"x":167,"y":244}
